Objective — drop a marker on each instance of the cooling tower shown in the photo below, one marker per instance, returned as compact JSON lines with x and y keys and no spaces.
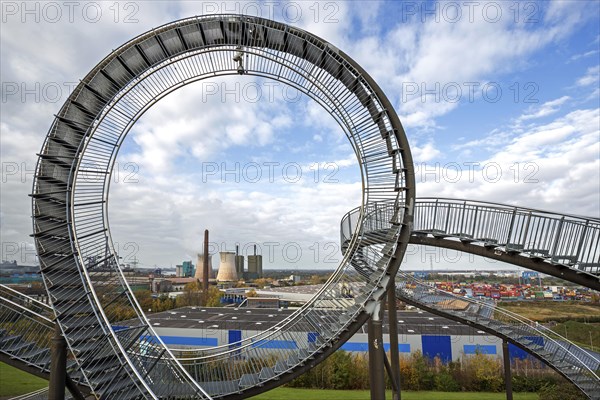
{"x":200,"y":271}
{"x":227,"y":272}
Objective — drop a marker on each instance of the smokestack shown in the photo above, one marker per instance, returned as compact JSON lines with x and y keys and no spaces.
{"x":205,"y":263}
{"x":254,"y":249}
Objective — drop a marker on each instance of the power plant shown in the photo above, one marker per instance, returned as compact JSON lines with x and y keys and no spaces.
{"x":239,"y":262}
{"x":231,"y":266}
{"x":227,"y":269}
{"x":254,"y":266}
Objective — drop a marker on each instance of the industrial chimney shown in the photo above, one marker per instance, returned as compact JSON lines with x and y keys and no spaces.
{"x":206,"y":261}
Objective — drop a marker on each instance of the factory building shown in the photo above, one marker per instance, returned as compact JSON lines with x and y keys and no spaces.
{"x":185,"y":270}
{"x":239,"y":265}
{"x":417,"y":331}
{"x":254,"y":267}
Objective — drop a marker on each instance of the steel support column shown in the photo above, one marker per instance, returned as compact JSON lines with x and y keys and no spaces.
{"x":507,"y":373}
{"x":376,"y":355}
{"x":205,"y":270}
{"x":58,"y":366}
{"x":393,"y":330}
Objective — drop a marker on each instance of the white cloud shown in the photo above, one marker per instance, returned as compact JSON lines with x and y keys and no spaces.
{"x":548,"y":108}
{"x":591,"y":77}
{"x":433,"y":54}
{"x":424,"y":153}
{"x":554,"y":166}
{"x":583,"y":55}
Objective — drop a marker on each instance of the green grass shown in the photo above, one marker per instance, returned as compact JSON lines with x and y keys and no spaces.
{"x":582,"y":334}
{"x":14,"y":382}
{"x":313,"y":394}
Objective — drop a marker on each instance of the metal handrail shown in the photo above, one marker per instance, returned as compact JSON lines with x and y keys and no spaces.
{"x":24,"y":310}
{"x":508,"y":206}
{"x":573,"y":243}
{"x":23,"y":296}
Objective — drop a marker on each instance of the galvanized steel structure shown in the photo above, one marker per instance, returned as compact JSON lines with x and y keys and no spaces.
{"x":71,"y":229}
{"x":70,"y":203}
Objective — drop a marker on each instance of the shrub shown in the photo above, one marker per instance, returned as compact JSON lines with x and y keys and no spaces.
{"x":444,"y":382}
{"x":561,"y":392}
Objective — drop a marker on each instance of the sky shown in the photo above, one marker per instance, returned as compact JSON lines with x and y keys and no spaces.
{"x":500,"y":102}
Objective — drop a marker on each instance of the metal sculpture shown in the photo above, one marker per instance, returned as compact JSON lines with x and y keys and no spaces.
{"x":70,"y":200}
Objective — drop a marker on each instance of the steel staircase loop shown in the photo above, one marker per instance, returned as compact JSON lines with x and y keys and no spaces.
{"x":574,"y":363}
{"x":70,"y":207}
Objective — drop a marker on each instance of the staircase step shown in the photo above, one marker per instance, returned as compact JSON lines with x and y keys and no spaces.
{"x":249,"y":380}
{"x":16,"y":346}
{"x":102,"y":379}
{"x":43,"y":360}
{"x":105,"y":364}
{"x":292,"y":360}
{"x":84,"y":347}
{"x":82,"y":335}
{"x":219,"y":388}
{"x":280,"y":367}
{"x":303,"y":354}
{"x":5,"y":340}
{"x":266,"y":373}
{"x":344,"y":318}
{"x":33,"y":353}
{"x":78,"y":321}
{"x":112,"y":391}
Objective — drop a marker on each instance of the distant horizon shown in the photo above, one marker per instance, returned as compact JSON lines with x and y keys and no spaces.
{"x":304,"y":269}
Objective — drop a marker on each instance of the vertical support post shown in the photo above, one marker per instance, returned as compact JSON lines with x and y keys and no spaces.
{"x":376,"y":354}
{"x":393,"y":328}
{"x":58,"y":366}
{"x":507,"y":373}
{"x":434,"y":225}
{"x":205,"y":264}
{"x":554,"y":250}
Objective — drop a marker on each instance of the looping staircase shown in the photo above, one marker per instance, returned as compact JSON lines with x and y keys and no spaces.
{"x":90,"y":296}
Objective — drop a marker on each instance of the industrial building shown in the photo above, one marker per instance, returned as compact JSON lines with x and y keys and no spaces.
{"x":191,"y":327}
{"x":185,"y":270}
{"x":254,"y":267}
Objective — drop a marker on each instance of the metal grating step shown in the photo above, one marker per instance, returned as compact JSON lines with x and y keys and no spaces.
{"x":266,"y":373}
{"x":249,"y":380}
